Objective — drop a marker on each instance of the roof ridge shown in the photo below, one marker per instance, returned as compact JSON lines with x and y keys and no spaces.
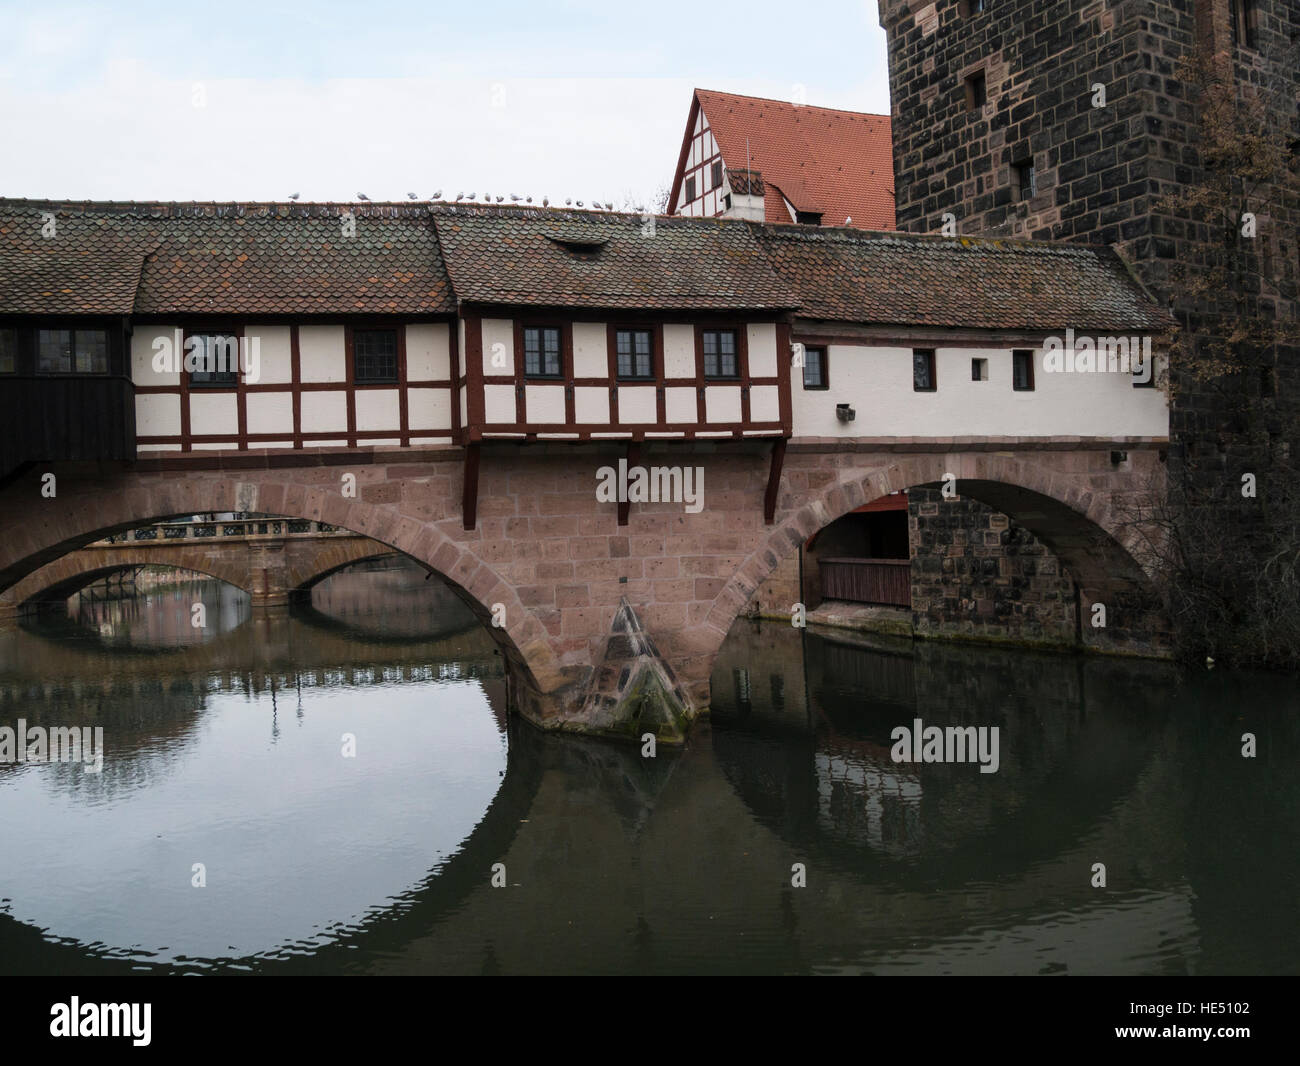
{"x":791,"y":103}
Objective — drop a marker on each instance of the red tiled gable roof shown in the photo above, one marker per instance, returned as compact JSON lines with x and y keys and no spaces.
{"x":896,"y":279}
{"x":116,"y":258}
{"x":602,"y":260}
{"x":837,"y":163}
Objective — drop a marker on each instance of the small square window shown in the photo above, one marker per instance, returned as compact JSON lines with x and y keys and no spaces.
{"x":979,"y":370}
{"x":814,"y":368}
{"x":690,"y":189}
{"x":923,"y":370}
{"x":215,"y":357}
{"x":542,"y":351}
{"x":634,"y":353}
{"x":717,"y":174}
{"x":374,"y":356}
{"x":8,"y":351}
{"x":1026,"y":179}
{"x":720,"y":354}
{"x":1022,"y":370}
{"x":976,"y":91}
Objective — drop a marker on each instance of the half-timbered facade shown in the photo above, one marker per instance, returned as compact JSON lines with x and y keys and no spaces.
{"x":137,"y":329}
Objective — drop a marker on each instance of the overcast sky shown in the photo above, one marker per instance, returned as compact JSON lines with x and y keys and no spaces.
{"x":254,"y":101}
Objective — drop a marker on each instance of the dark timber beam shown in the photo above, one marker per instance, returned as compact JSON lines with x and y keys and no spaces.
{"x":469,"y":496}
{"x":773,"y":481}
{"x":633,"y":459}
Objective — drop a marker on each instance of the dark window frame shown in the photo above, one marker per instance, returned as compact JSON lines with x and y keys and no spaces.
{"x":824,"y":377}
{"x":717,"y":374}
{"x":979,"y":368}
{"x":371,"y":377}
{"x":194,"y":382}
{"x":1243,"y":22}
{"x":541,"y":374}
{"x":652,"y":372}
{"x":1026,"y":190}
{"x":690,"y":189}
{"x":716,"y":173}
{"x":933,"y":385}
{"x":72,"y":371}
{"x":977,"y":89}
{"x":1022,"y":357}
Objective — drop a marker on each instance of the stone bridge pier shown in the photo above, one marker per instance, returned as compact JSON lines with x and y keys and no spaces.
{"x":612,"y":627}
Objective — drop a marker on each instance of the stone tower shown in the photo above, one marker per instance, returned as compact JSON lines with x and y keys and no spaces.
{"x":1071,"y":120}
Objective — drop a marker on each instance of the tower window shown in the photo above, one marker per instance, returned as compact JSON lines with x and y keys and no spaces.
{"x":976,"y":90}
{"x":1243,"y":16}
{"x":1026,"y":179}
{"x":971,"y":7}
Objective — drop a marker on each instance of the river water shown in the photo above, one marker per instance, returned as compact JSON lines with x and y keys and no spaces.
{"x":336,"y":788}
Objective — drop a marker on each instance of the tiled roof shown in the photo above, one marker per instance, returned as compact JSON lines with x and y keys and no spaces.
{"x":424,"y":258}
{"x":595,"y":259}
{"x":837,"y":163}
{"x":226,"y":258}
{"x":975,"y":283}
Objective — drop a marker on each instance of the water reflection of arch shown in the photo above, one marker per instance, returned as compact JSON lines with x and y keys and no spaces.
{"x":383,"y":929}
{"x":1075,"y":734}
{"x":135,"y":698}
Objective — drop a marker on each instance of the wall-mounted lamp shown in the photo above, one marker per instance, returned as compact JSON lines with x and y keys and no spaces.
{"x":844,"y":412}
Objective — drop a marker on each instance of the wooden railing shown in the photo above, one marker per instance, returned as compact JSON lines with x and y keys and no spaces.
{"x":882,"y":581}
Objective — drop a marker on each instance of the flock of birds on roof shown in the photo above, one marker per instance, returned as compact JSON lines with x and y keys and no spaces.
{"x":487,"y":199}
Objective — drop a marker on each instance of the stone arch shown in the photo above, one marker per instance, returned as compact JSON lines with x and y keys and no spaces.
{"x":1079,"y":525}
{"x":73,"y":571}
{"x":303,"y":574}
{"x":92,"y":504}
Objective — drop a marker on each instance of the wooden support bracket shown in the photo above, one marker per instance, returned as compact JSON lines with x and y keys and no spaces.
{"x":469,"y":495}
{"x":633,"y":459}
{"x":773,"y":481}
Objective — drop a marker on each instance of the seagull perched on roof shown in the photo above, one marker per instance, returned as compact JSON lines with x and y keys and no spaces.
{"x":294,"y":195}
{"x":411,"y":196}
{"x":546,"y":202}
{"x":500,"y":198}
{"x":528,"y":199}
{"x":437,"y":195}
{"x":567,"y":201}
{"x":609,"y":206}
{"x":579,"y":203}
{"x":362,"y":196}
{"x":515,"y":196}
{"x":459,"y":195}
{"x":469,"y":196}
